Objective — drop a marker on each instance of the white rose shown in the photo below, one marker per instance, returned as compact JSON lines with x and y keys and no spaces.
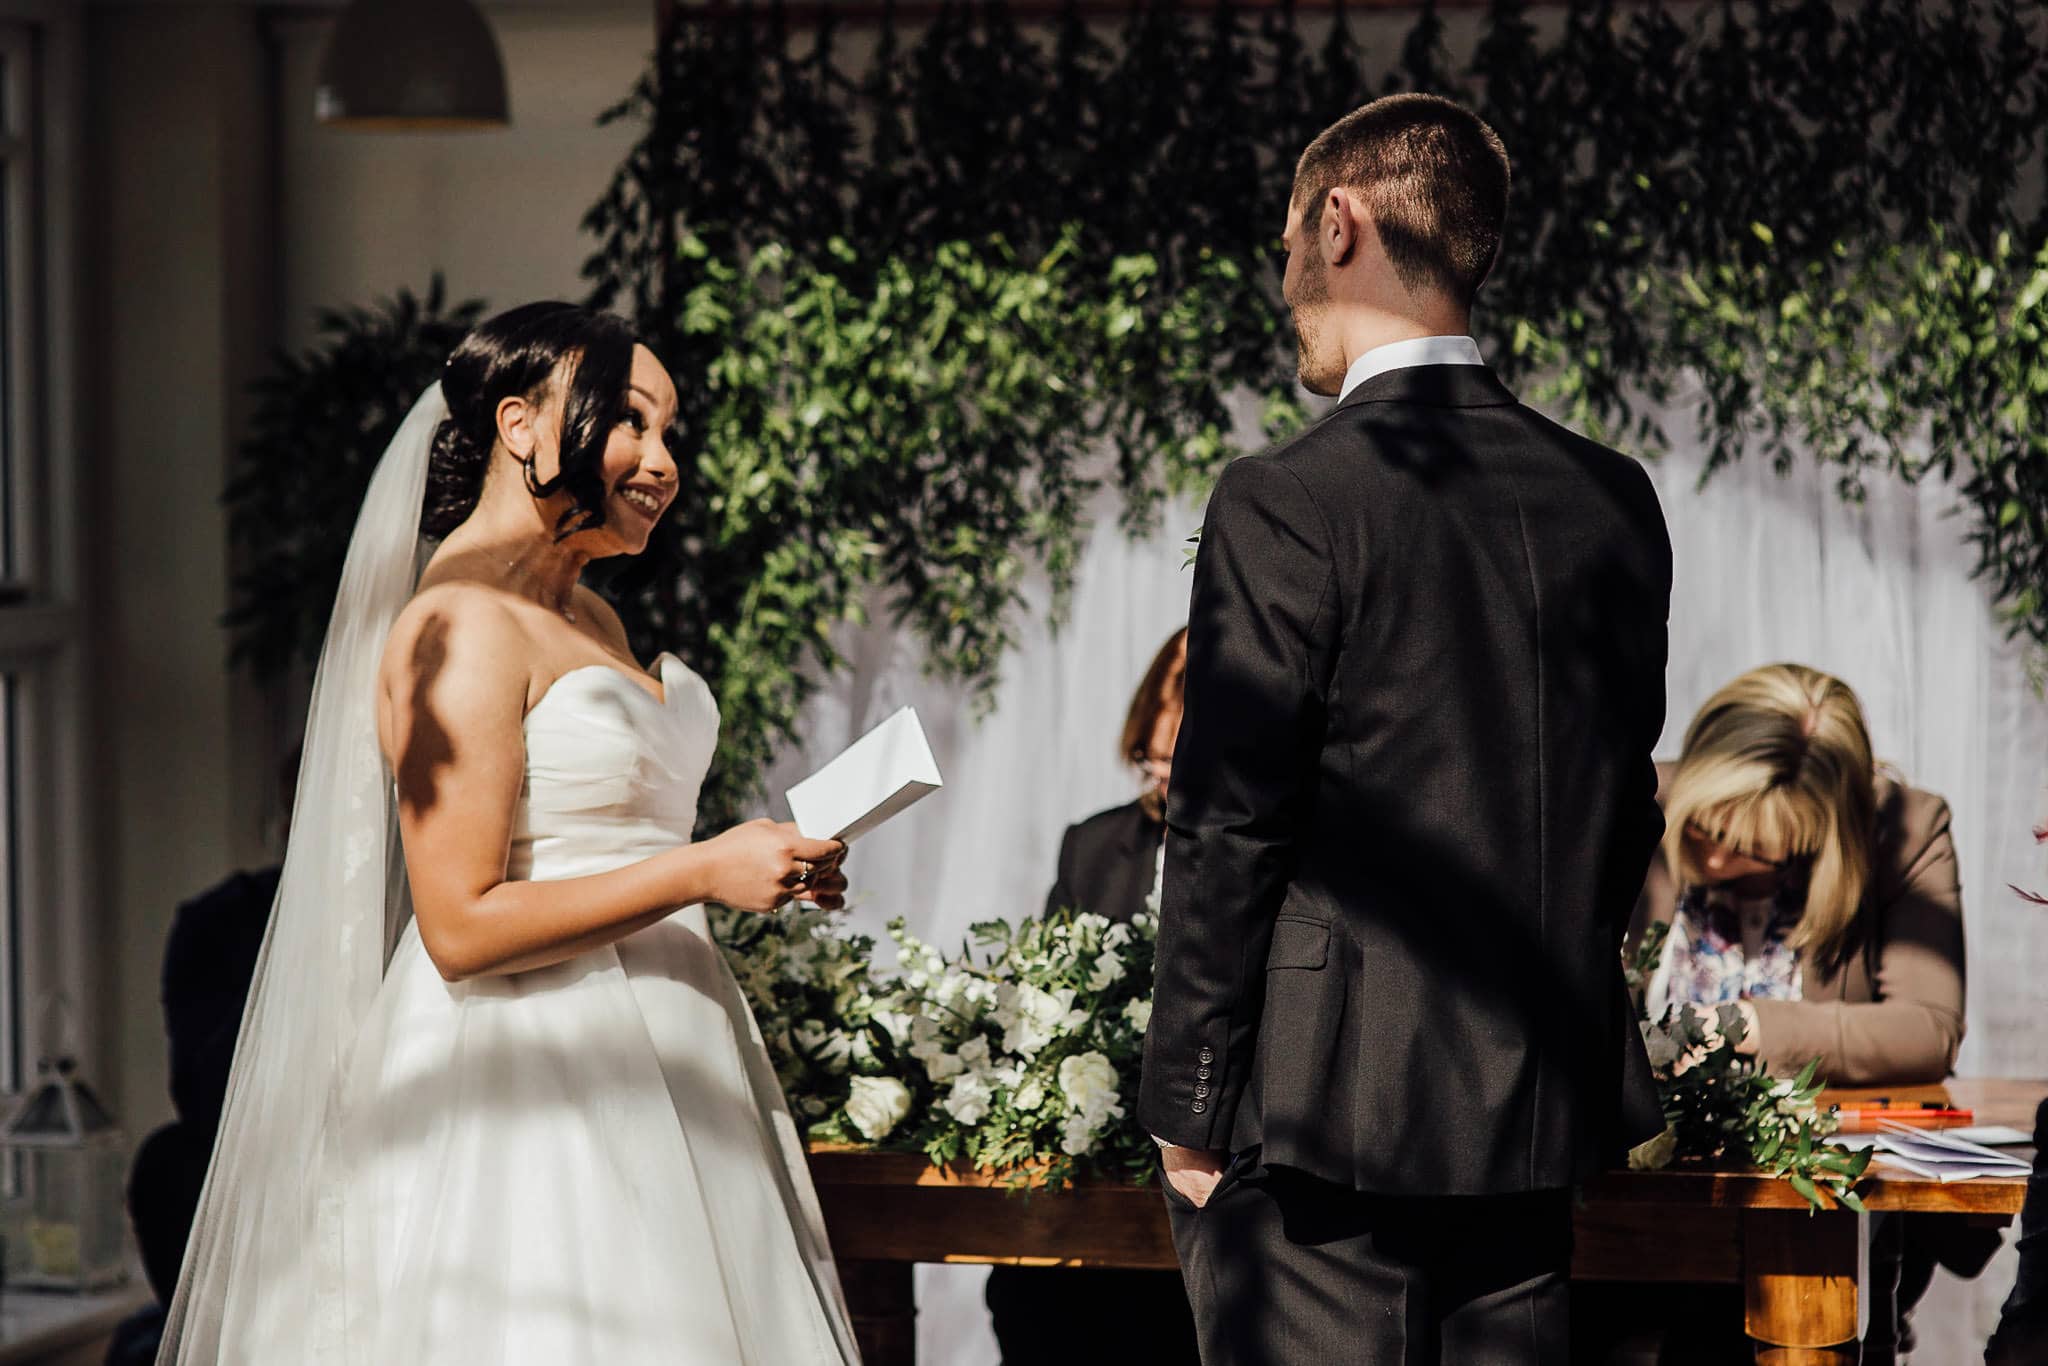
{"x":830,"y":1049}
{"x":1108,"y":968}
{"x":1139,"y":1013}
{"x":968,"y":1101}
{"x":876,"y":1106}
{"x":1118,"y":936}
{"x":837,"y":1054}
{"x":950,"y":988}
{"x":1030,"y":1095}
{"x":1089,"y":1081}
{"x":1079,"y":1137}
{"x":1030,"y":1018}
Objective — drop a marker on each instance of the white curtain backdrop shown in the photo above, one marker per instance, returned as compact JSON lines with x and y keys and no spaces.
{"x":1768,"y":568}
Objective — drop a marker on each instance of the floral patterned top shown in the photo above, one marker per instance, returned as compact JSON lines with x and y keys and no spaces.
{"x":1728,"y":948}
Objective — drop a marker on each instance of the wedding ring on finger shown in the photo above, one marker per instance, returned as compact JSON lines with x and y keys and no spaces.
{"x":804,"y":870}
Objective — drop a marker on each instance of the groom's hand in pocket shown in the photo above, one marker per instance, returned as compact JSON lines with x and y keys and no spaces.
{"x":1194,"y":1172}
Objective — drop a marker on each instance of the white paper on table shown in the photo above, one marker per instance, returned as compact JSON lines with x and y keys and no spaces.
{"x":873,"y":778}
{"x":1914,"y":1141}
{"x":1990,"y":1135}
{"x":1946,"y":1172}
{"x":1940,"y":1155}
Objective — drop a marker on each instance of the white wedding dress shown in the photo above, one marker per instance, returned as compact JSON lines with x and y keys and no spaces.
{"x":590,"y":1164}
{"x":587,"y":1165}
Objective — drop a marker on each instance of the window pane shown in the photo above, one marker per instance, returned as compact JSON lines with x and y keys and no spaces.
{"x":10,"y":882}
{"x":11,"y":511}
{"x":11,"y":163}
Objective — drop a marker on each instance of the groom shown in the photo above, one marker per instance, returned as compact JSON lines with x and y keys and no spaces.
{"x":1412,"y":804}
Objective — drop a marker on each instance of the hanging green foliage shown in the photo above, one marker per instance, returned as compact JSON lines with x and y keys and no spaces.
{"x":323,"y":417}
{"x":921,"y":429}
{"x":1825,"y":216}
{"x":1738,"y":194}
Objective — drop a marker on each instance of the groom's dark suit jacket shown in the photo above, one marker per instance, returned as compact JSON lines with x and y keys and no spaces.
{"x":1413,"y":800}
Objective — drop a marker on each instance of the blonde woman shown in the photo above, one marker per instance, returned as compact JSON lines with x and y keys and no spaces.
{"x":1819,"y":896}
{"x":1814,"y":892}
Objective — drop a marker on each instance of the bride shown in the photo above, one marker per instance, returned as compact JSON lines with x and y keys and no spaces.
{"x":497,"y":1097}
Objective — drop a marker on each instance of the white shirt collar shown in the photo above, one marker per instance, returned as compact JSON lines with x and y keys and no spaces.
{"x":1402,"y":354}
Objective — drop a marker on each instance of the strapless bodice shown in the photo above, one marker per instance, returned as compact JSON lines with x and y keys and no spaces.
{"x":612,"y":772}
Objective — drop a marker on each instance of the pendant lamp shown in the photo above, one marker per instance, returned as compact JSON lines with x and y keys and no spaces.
{"x":411,"y":65}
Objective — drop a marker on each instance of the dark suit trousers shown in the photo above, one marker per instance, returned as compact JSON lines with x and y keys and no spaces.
{"x":1283,"y":1268}
{"x":1090,"y":1316}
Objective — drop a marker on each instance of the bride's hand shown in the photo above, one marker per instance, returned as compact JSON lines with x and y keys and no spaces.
{"x":827,"y":889}
{"x":759,"y":865}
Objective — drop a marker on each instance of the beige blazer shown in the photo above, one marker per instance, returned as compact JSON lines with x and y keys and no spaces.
{"x":1891,"y":1013}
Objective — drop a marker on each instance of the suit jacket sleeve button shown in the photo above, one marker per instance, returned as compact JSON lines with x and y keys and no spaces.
{"x":1201,"y":1093}
{"x":1200,"y":1107}
{"x":1203,"y":1073}
{"x":1206,"y":1055}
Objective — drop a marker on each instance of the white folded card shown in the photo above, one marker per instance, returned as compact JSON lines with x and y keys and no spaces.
{"x":875,"y":777}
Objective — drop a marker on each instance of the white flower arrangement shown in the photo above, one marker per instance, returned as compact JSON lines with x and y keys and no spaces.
{"x":1020,"y":1054}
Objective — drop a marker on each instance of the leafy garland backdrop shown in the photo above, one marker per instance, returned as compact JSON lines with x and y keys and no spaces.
{"x":1823,"y":217}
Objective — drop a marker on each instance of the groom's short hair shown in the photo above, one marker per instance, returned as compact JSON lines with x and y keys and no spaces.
{"x":1433,"y":177}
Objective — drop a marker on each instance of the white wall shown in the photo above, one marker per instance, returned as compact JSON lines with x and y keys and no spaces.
{"x":178,"y":299}
{"x":362,"y":214}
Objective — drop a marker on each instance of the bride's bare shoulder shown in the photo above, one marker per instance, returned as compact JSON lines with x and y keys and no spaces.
{"x":458,"y":639}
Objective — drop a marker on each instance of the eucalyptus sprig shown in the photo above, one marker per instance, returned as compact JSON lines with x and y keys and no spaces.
{"x":1719,"y":1105}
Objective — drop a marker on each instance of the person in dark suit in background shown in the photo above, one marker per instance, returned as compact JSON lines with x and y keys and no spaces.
{"x":1109,"y":865}
{"x":1412,"y":804}
{"x":209,"y":961}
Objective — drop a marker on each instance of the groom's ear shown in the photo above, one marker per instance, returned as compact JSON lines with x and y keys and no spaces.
{"x":1343,"y":224}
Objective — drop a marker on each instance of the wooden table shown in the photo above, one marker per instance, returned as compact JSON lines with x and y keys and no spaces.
{"x":1802,"y":1273}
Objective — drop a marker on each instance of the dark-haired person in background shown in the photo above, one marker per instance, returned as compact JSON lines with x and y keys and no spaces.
{"x":497,"y":1096}
{"x":1109,"y":866}
{"x":1109,"y":863}
{"x":209,"y":959}
{"x":1412,"y":803}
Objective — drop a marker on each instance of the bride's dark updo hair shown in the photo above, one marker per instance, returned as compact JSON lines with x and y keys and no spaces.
{"x":513,"y":355}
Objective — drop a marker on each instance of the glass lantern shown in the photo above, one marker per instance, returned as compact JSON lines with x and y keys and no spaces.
{"x":63,"y":1170}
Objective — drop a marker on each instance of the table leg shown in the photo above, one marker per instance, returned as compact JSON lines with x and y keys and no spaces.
{"x":1802,"y":1279}
{"x":882,"y":1298}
